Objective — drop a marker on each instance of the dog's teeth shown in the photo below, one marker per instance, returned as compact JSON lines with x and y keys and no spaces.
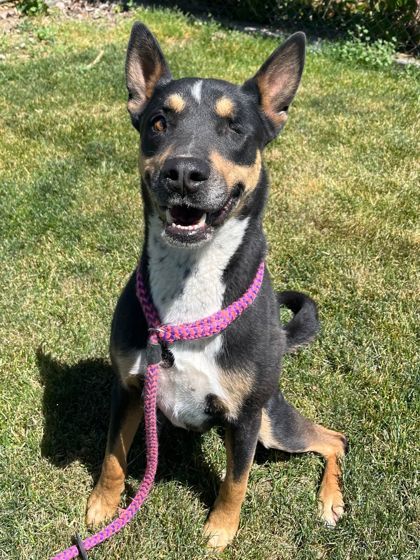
{"x":190,"y":228}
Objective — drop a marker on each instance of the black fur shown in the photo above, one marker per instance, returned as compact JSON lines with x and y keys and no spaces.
{"x":256,"y":341}
{"x":304,"y":326}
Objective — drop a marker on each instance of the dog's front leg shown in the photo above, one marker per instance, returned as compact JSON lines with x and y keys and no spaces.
{"x":126,"y":414}
{"x":240,"y":441}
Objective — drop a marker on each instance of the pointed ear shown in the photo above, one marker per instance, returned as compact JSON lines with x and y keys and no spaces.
{"x":145,"y":67}
{"x":278,"y":79}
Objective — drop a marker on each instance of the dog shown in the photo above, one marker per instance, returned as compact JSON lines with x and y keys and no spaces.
{"x":204,"y":189}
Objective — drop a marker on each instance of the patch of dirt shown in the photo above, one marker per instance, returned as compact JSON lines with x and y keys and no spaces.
{"x":10,"y":17}
{"x":85,"y":9}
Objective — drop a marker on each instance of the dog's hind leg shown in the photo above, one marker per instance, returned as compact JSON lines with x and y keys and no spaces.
{"x":126,"y":414}
{"x":282,"y":427}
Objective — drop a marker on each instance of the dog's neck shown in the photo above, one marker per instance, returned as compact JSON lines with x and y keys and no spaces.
{"x":187,"y":284}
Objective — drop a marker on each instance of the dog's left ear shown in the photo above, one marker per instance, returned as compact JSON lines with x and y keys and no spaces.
{"x":145,"y":68}
{"x":278,"y":79}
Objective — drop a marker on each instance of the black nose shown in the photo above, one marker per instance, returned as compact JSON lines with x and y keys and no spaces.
{"x":185,"y":175}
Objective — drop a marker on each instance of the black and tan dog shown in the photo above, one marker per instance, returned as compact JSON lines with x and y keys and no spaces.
{"x":204,"y":189}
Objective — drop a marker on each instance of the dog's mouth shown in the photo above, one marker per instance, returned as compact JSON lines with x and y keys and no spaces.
{"x":188,"y":225}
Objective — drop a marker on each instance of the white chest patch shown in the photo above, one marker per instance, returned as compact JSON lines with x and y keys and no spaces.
{"x":187,"y":285}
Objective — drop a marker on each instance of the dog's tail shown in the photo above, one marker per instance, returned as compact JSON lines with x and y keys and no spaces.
{"x":304,"y":325}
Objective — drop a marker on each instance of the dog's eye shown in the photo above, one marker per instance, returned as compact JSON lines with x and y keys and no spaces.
{"x":235,"y":127}
{"x":158,"y":123}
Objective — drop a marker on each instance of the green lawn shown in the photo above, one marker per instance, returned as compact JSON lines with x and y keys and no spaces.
{"x":341,"y":226}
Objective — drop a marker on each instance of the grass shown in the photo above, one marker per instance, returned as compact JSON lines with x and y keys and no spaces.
{"x":341,"y":226}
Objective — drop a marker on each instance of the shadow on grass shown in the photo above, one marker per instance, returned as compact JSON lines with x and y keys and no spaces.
{"x":76,"y":408}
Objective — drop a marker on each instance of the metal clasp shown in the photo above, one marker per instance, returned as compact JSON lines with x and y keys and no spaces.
{"x":82,"y":550}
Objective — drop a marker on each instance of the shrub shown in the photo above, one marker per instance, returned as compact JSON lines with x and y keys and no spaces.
{"x":384,"y":19}
{"x":32,"y":7}
{"x":359,"y":48}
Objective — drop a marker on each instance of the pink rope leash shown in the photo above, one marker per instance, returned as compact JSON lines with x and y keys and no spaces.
{"x":209,"y":326}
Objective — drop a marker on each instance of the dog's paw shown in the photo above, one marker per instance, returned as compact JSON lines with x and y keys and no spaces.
{"x":219,"y":536}
{"x":331,"y":506}
{"x":101,"y":506}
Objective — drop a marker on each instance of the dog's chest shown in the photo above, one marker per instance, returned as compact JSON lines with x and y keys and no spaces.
{"x":187,"y":286}
{"x":184,"y":388}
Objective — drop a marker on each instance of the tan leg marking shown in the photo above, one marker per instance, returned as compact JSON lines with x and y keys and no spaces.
{"x":223,"y":521}
{"x":106,"y":495}
{"x":237,"y":386}
{"x":269,"y":440}
{"x":265,"y":436}
{"x":331,"y":445}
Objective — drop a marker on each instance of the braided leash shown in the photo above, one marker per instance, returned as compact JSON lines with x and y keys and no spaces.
{"x":159,"y":334}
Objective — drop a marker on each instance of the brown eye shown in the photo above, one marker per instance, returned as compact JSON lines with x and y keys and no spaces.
{"x":159,"y":124}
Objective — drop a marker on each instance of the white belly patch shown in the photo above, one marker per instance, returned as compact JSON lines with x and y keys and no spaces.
{"x":183,"y":388}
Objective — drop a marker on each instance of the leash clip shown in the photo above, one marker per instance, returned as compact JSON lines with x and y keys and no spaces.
{"x":155,"y":330}
{"x":82,"y":550}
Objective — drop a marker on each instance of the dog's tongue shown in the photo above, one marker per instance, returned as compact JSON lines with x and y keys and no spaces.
{"x":186,"y":216}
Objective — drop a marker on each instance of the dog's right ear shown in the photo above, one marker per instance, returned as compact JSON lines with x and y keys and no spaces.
{"x":145,"y":67}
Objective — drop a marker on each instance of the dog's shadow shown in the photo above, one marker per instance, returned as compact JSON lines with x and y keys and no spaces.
{"x":76,"y":408}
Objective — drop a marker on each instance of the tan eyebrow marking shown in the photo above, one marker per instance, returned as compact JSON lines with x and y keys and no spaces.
{"x":234,"y":173}
{"x":224,"y":107}
{"x":175,"y":102}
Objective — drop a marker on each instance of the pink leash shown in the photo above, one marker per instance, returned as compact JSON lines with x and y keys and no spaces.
{"x":159,"y":334}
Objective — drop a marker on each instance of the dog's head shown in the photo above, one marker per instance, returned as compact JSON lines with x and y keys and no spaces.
{"x":201,"y":139}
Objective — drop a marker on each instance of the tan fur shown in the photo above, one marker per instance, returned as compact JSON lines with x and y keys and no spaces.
{"x":136,"y":84}
{"x":265,"y":435}
{"x":279,"y":82}
{"x":105,"y":497}
{"x":124,"y":363}
{"x":223,"y":521}
{"x":277,"y":118}
{"x":224,"y":107}
{"x":326,"y":442}
{"x":330,"y":445}
{"x":175,"y":102}
{"x":237,"y":386}
{"x":331,"y":505}
{"x":140,"y":89}
{"x":153,"y":80}
{"x":270,"y":440}
{"x":233,"y":173}
{"x":152,"y":164}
